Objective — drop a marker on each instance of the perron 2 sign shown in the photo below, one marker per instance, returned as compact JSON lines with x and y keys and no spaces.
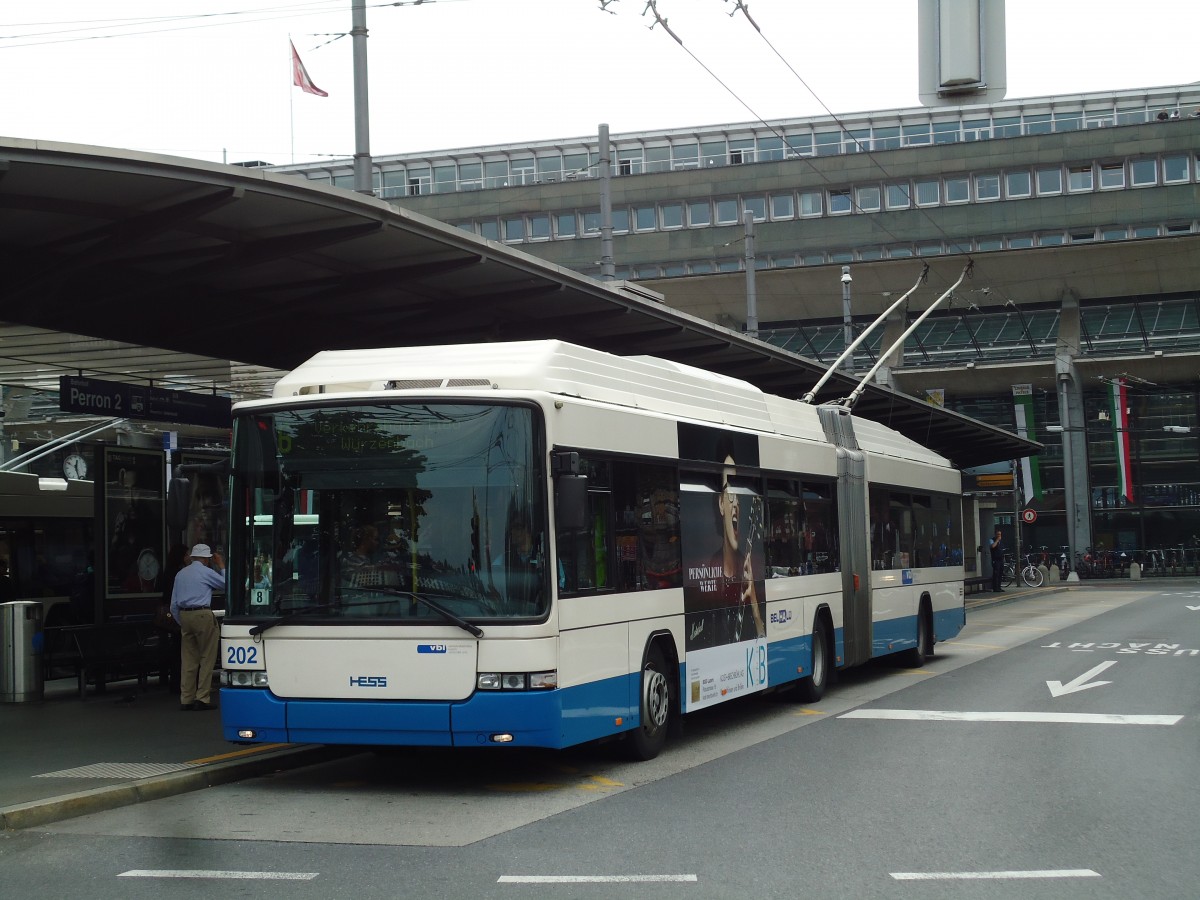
{"x":135,"y":401}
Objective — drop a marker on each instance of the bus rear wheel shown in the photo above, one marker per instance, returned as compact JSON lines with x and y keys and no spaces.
{"x":647,"y":740}
{"x":812,"y":688}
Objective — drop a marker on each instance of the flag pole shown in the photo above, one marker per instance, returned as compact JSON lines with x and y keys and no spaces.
{"x":291,"y":100}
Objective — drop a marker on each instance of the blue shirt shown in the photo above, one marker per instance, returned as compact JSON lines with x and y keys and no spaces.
{"x":194,"y":586}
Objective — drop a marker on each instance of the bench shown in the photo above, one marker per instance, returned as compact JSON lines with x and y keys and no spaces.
{"x":115,"y":651}
{"x":979,"y":583}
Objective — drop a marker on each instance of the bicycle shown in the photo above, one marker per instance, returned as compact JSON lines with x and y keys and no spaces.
{"x":1031,"y":575}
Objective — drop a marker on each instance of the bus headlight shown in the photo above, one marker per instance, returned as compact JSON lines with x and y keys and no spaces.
{"x":516,"y":681}
{"x":243,"y":678}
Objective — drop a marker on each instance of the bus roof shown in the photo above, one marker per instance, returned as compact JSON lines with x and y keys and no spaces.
{"x":559,"y":367}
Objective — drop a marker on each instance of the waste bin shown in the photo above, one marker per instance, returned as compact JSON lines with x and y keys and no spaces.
{"x":21,"y":651}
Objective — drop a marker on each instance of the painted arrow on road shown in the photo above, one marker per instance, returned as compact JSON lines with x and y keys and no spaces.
{"x":1057,"y":688}
{"x":1194,"y":608}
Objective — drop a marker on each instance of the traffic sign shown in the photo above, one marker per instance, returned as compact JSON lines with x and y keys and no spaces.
{"x":1029,"y":516}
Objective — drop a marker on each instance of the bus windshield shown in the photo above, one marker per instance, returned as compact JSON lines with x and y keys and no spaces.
{"x":414,"y":513}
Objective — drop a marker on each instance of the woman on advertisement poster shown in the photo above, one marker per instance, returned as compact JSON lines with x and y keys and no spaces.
{"x":724,"y":598}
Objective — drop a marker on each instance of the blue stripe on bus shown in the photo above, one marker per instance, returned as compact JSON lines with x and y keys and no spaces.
{"x":558,"y":718}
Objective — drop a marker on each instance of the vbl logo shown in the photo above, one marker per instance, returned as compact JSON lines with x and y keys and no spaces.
{"x":368,"y":681}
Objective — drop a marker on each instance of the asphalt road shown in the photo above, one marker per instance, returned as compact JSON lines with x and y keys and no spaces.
{"x":1049,"y":751}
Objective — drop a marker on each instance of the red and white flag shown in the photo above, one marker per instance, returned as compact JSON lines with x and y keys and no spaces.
{"x":300,"y":76}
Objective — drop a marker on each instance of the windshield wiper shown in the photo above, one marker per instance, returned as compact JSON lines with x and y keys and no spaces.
{"x":309,"y":610}
{"x":284,"y":619}
{"x":436,"y":607}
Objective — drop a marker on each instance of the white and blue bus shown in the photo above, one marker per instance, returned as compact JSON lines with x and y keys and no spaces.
{"x":537,"y":544}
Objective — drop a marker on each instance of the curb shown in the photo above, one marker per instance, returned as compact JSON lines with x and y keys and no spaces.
{"x":101,"y":799}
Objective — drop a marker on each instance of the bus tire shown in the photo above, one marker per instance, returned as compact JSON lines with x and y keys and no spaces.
{"x":916,"y":657}
{"x":656,"y":702}
{"x":812,"y":688}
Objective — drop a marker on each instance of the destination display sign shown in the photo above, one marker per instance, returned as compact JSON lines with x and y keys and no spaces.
{"x":135,"y":401}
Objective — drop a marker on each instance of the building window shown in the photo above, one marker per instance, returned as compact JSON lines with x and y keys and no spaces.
{"x":713,"y":153}
{"x":1023,"y":242}
{"x":686,"y":156}
{"x":810,"y":204}
{"x":1039,"y":124}
{"x":1115,"y":233}
{"x":898,"y":196}
{"x":1175,"y":169}
{"x":928,"y":193}
{"x":644,"y":218}
{"x":729,"y":265}
{"x":1112,"y":175}
{"x":490,"y":229}
{"x":1083,"y":235}
{"x":1016,"y":184}
{"x":1143,"y":172}
{"x":914,"y":134}
{"x":539,"y":227}
{"x":986,"y":244}
{"x":1080,"y":178}
{"x":757,"y":206}
{"x":1052,"y":239}
{"x":839,"y":202}
{"x":887,"y":138}
{"x":868,"y":198}
{"x":1049,"y":181}
{"x":987,"y":187}
{"x":1145,"y":231}
{"x":699,"y":213}
{"x":783,"y":206}
{"x":620,"y":220}
{"x":727,"y":212}
{"x":514,"y":230}
{"x":658,"y":159}
{"x":958,"y":190}
{"x":901,"y":251}
{"x":591,"y":221}
{"x":945,"y":132}
{"x":672,"y":215}
{"x":565,"y":225}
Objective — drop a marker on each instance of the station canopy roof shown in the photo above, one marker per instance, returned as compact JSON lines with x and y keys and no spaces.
{"x":226,"y":263}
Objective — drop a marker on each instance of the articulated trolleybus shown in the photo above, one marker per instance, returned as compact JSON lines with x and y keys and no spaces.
{"x":537,"y":544}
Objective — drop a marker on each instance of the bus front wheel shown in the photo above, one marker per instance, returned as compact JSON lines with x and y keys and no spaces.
{"x":647,"y":740}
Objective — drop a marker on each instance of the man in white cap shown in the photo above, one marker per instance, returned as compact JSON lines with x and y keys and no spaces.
{"x":191,"y":607}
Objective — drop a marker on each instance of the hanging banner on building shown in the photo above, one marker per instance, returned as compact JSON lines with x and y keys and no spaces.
{"x":1031,"y":474}
{"x":1119,"y":404}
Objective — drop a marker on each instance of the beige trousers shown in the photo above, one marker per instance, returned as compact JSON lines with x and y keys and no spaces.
{"x":200,"y":637}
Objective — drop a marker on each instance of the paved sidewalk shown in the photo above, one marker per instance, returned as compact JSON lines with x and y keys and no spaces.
{"x":66,"y":756}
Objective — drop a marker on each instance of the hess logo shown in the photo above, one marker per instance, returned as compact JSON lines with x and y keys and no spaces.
{"x":368,"y":681}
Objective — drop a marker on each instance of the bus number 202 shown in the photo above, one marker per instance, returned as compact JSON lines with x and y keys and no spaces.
{"x":240,"y":655}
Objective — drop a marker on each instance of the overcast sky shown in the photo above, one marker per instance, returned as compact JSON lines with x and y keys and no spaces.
{"x":187,"y":78}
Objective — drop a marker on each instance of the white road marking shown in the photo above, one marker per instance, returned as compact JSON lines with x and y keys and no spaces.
{"x":943,"y":715}
{"x":1080,"y":683}
{"x":219,"y":874}
{"x":988,"y":876}
{"x":593,"y":879}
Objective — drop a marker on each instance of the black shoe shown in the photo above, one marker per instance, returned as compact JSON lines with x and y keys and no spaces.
{"x":187,"y":707}
{"x":198,"y":706}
